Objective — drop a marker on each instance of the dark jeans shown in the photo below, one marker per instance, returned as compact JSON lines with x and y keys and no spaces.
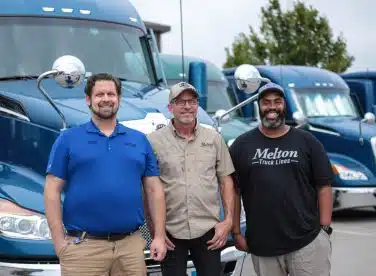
{"x":207,"y":262}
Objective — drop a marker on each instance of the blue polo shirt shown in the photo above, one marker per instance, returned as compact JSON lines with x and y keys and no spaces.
{"x":103,"y":177}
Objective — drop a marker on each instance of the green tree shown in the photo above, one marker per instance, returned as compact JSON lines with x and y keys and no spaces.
{"x":299,"y":37}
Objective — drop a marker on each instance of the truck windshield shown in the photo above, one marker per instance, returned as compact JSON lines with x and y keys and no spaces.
{"x":218,"y":97}
{"x":29,"y":46}
{"x":325,"y":102}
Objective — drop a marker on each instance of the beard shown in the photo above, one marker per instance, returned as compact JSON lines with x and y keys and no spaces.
{"x":104,"y":111}
{"x":186,"y":119}
{"x":273,"y":123}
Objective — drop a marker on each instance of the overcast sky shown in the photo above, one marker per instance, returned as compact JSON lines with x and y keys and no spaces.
{"x":211,"y":25}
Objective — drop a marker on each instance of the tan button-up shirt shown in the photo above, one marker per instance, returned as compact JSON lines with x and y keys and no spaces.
{"x":189,"y":172}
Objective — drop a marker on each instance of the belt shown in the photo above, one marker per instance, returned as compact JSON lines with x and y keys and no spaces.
{"x":101,"y":236}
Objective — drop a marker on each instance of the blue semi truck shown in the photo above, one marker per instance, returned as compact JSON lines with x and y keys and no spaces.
{"x":47,"y":50}
{"x":320,"y":101}
{"x":362,"y":86}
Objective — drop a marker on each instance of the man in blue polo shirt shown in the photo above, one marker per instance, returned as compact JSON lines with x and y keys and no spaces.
{"x":103,"y":168}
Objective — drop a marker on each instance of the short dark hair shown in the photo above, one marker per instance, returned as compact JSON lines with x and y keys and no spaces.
{"x":101,"y":77}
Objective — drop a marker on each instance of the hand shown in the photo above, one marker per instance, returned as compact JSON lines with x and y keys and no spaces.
{"x":158,"y":249}
{"x":222,"y":229}
{"x":240,"y":242}
{"x":169,"y":244}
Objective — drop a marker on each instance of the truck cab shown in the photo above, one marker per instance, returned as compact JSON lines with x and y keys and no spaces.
{"x":44,"y":47}
{"x":320,"y":102}
{"x":216,"y":99}
{"x":363,"y":89}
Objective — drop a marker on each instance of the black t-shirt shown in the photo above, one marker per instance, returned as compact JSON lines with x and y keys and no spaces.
{"x":278,"y":179}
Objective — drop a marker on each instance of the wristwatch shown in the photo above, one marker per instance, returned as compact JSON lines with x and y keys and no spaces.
{"x":327,"y":228}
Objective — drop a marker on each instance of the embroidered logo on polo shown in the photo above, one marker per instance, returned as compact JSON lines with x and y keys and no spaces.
{"x":130,"y":144}
{"x":273,"y":157}
{"x":204,"y":144}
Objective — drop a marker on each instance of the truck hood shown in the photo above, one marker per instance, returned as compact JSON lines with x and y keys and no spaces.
{"x":71,"y":102}
{"x":346,"y":127}
{"x":22,"y":186}
{"x":134,"y":106}
{"x":234,"y":128}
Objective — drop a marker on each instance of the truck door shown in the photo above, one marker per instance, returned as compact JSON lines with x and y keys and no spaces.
{"x":361,"y":91}
{"x":237,"y":97}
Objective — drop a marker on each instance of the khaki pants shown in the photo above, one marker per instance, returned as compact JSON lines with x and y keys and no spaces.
{"x":93,"y":257}
{"x":311,"y":260}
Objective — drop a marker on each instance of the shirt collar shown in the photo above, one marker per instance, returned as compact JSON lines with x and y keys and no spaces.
{"x":91,"y":127}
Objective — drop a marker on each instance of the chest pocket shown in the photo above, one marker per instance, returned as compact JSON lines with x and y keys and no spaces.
{"x":171,"y":164}
{"x":206,"y":158}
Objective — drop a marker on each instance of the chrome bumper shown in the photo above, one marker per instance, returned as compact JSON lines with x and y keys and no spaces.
{"x":229,"y":254}
{"x":353,"y":197}
{"x":10,"y":269}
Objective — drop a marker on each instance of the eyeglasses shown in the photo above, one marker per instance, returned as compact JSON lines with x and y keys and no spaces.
{"x":182,"y":103}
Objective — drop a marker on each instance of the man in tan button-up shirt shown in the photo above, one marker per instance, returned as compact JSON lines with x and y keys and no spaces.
{"x":195,"y":167}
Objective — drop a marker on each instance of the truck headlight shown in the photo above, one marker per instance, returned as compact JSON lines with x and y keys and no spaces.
{"x":348,"y":174}
{"x":19,"y":223}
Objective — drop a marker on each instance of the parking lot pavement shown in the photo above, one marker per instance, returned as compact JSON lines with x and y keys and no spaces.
{"x":353,"y":245}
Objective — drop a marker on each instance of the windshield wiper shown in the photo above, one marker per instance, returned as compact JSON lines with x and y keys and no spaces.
{"x":122,"y":79}
{"x":152,"y":86}
{"x":20,"y":77}
{"x":161,"y":81}
{"x":134,"y":93}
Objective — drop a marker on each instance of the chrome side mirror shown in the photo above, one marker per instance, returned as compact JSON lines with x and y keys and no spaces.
{"x":299,"y":118}
{"x":221,"y":114}
{"x":248,"y":78}
{"x":369,"y":118}
{"x":68,"y":71}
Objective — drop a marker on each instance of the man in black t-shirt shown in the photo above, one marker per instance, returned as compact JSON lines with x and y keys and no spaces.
{"x":284,"y":177}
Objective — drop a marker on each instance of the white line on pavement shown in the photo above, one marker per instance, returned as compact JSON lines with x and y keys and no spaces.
{"x":356,"y":233}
